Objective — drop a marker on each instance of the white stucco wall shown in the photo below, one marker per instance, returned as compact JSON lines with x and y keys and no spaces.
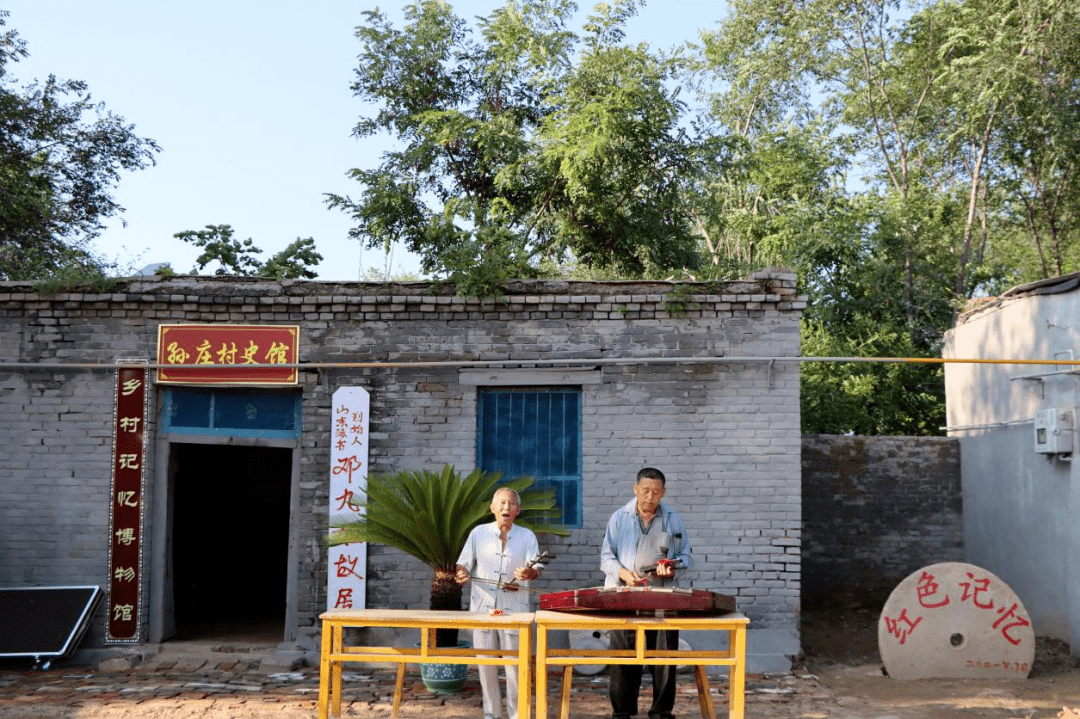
{"x":1020,"y":506}
{"x":1016,"y":521}
{"x":1043,"y":327}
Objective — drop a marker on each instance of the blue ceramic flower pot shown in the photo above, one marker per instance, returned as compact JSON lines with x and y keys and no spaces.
{"x":444,"y":678}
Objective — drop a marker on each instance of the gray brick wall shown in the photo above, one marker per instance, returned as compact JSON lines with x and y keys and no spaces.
{"x":726,"y":434}
{"x":875,"y":509}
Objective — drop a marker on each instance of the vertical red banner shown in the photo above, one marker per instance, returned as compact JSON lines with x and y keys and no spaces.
{"x":126,"y":502}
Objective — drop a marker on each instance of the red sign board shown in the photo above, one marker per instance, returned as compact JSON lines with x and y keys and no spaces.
{"x":227,"y":354}
{"x":125,"y":503}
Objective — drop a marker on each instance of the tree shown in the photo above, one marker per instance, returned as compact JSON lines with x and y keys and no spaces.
{"x":235,"y":257}
{"x":60,"y":157}
{"x":1040,"y":144}
{"x":521,"y":149}
{"x":961,"y":117}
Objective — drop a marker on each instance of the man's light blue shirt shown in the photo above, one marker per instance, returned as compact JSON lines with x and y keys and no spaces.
{"x":621,"y":539}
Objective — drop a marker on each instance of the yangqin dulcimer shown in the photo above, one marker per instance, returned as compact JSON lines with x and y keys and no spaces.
{"x":649,"y":601}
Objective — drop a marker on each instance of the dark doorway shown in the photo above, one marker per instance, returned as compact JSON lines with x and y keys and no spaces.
{"x":230,"y":541}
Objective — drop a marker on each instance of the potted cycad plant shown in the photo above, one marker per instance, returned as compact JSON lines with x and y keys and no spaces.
{"x":430,"y":514}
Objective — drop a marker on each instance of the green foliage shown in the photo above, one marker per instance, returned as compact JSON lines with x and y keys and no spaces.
{"x":869,"y":398}
{"x":478,"y":262}
{"x":69,"y":279}
{"x":429,"y":514}
{"x":60,"y":156}
{"x":293,"y":261}
{"x":527,"y":148}
{"x":961,"y":117}
{"x":677,"y":301}
{"x":774,"y":199}
{"x":235,"y":257}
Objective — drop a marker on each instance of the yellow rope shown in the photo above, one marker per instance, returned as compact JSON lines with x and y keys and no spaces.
{"x":531,"y":363}
{"x":943,"y":360}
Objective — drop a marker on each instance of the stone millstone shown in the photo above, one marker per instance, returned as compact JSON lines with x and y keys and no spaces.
{"x":955,"y":620}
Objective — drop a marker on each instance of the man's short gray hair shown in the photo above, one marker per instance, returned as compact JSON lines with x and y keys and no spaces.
{"x":517,"y":497}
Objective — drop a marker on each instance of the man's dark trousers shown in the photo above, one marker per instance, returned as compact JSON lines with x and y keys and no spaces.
{"x":625,"y":680}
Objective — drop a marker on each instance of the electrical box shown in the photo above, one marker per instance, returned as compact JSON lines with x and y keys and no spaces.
{"x":1054,"y":431}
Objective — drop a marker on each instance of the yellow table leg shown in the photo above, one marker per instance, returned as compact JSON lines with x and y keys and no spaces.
{"x":541,"y":673}
{"x":737,"y":673}
{"x":704,"y":697}
{"x":399,"y":683}
{"x":564,"y":695}
{"x":324,"y":672}
{"x":337,"y":644}
{"x":524,"y":675}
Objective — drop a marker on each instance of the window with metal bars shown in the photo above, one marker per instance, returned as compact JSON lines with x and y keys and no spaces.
{"x":231,"y":412}
{"x":534,"y":431}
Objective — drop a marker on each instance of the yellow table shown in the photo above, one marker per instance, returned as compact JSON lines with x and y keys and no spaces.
{"x":734,"y":656}
{"x":335,"y":653}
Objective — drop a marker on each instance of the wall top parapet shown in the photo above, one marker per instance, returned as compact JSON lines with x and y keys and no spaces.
{"x":764,"y":286}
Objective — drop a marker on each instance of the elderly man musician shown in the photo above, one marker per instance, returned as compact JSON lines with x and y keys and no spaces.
{"x":501,"y":559}
{"x":644,"y":536}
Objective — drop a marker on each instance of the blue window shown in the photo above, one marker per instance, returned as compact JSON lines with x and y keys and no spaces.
{"x":534,"y":431}
{"x":232,"y":412}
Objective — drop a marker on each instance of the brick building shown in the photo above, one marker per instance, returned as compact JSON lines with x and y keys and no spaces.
{"x":233,"y":513}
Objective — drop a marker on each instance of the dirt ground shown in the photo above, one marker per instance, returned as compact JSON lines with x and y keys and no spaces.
{"x":840,"y":649}
{"x":838,"y":677}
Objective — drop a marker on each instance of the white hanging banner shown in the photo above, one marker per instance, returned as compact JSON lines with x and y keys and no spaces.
{"x":347,"y":563}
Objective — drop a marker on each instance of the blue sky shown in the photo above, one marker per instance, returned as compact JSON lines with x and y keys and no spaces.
{"x":251,"y":105}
